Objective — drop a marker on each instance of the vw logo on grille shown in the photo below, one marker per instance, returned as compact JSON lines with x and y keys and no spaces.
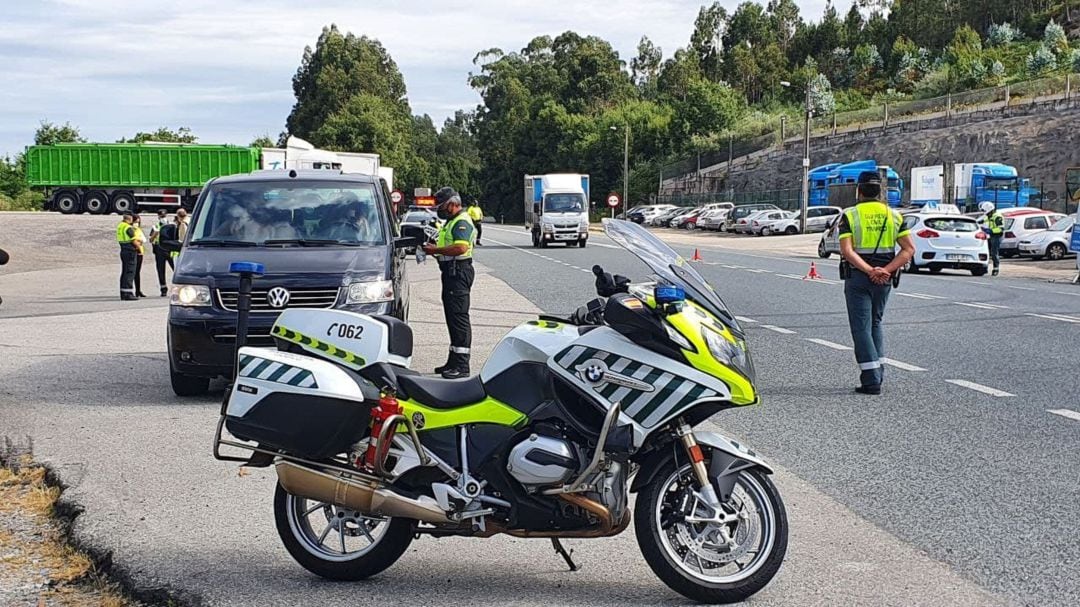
{"x":277,"y":297}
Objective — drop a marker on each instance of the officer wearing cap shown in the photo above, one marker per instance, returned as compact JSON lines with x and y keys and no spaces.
{"x":869,"y":234}
{"x":453,"y":249}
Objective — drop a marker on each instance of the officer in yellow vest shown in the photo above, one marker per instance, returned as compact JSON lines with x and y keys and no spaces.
{"x":869,"y":234}
{"x":453,"y":250}
{"x":476,"y":214}
{"x":129,"y":256}
{"x":994,"y":222}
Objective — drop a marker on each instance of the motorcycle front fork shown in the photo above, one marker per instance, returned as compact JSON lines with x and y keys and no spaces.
{"x":697,"y":463}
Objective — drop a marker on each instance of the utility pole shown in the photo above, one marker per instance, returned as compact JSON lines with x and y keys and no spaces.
{"x":626,"y":166}
{"x":805,"y":166}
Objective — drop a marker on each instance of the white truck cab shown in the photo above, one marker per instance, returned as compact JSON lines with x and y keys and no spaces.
{"x":557,"y":208}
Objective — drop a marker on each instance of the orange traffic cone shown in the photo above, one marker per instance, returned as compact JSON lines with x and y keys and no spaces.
{"x":697,"y":256}
{"x":813,"y":273}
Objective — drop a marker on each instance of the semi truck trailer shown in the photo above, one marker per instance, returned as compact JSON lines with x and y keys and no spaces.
{"x":101,"y":178}
{"x":971,"y":183}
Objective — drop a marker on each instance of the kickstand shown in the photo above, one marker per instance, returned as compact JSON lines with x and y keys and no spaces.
{"x":557,"y":545}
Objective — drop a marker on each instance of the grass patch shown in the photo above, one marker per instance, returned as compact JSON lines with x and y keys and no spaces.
{"x":35,"y":557}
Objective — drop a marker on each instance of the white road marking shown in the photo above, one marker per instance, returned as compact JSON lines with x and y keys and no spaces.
{"x":993,"y":305}
{"x":1069,"y":413}
{"x":979,"y":282}
{"x":758,"y":271}
{"x":963,"y":383}
{"x":1061,"y":318}
{"x":777,"y":329}
{"x":901,"y":365}
{"x":792,"y":276}
{"x":980,"y":306}
{"x":919,"y":296}
{"x":729,"y":266}
{"x":827,"y":343}
{"x":1021,"y":288}
{"x":745,"y":319}
{"x":1067,"y":293}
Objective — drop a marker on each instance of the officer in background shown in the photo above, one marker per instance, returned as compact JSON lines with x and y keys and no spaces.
{"x":994,"y":222}
{"x":161,"y":256}
{"x":476,"y":214}
{"x":869,"y":233}
{"x":129,"y":256}
{"x":453,"y":249}
{"x":140,"y":250}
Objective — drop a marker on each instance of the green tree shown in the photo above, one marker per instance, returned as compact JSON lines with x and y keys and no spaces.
{"x":785,"y":20}
{"x":12,"y":176}
{"x":48,"y":133}
{"x":706,"y":40}
{"x":645,"y":67}
{"x":163,"y":134}
{"x":339,"y":68}
{"x":263,"y":141}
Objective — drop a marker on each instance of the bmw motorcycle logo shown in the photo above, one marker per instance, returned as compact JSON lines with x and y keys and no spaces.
{"x":593,"y":371}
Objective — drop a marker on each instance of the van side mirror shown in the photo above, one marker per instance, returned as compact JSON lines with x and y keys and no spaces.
{"x":411,"y":236}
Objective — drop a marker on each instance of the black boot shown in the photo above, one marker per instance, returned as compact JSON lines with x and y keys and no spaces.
{"x":457,"y":373}
{"x":164,"y":291}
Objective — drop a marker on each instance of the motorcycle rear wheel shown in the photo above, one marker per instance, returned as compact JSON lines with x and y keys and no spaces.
{"x":707,"y":571}
{"x":337,"y":543}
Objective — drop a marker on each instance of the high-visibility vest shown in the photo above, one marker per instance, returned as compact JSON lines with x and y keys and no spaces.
{"x":139,"y":239}
{"x":446,"y":237}
{"x":476,"y":214}
{"x":122,"y":236}
{"x":874,"y":226}
{"x":995,"y":221}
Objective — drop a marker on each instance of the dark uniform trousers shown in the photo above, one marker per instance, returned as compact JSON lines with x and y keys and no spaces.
{"x":457,"y":281}
{"x":129,"y":257}
{"x":162,"y":257}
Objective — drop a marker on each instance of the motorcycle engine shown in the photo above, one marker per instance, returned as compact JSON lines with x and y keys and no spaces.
{"x":542,"y":461}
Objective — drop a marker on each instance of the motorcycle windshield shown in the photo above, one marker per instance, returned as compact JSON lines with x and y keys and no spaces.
{"x":669,"y":267}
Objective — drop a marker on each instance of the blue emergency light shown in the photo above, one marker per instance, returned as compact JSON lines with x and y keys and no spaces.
{"x":666,"y":294}
{"x":247,"y":267}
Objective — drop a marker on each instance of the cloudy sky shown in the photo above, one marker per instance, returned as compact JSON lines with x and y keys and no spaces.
{"x":224,"y":67}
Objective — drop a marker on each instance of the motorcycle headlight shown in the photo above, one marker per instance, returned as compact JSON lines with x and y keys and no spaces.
{"x":732,"y":355}
{"x":373,"y":291}
{"x":189,"y":295}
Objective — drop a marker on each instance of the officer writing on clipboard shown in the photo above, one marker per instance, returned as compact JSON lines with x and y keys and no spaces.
{"x":869,"y":234}
{"x":454,"y":249}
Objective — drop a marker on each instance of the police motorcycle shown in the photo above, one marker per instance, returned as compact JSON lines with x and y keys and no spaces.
{"x":567,"y":418}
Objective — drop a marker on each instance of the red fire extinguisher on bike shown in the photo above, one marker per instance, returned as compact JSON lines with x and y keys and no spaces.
{"x":388,"y":407}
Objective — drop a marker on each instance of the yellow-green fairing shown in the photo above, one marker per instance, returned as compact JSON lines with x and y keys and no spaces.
{"x":487,"y":411}
{"x":689,"y":322}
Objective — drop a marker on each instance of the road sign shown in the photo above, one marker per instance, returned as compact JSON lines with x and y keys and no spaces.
{"x":396,"y":196}
{"x":613,"y":200}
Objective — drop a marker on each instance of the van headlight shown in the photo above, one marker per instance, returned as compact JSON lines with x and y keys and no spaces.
{"x":547,"y":227}
{"x":189,"y":295}
{"x":372,"y":291}
{"x":728,"y":353}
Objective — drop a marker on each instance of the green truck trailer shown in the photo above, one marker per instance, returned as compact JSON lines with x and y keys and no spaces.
{"x":122,"y":177}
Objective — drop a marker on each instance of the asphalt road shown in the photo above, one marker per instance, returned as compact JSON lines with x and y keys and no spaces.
{"x":971,"y":454}
{"x":932,"y":494}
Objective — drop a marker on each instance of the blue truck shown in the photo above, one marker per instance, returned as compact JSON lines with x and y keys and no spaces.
{"x":972,"y":183}
{"x":834,"y":184}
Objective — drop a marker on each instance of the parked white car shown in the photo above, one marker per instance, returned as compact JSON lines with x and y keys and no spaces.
{"x":714,"y":218}
{"x":1023,"y":223}
{"x":818,"y":219}
{"x":743,"y":225}
{"x":768,"y":223}
{"x":1052,"y":243}
{"x":944,"y":240}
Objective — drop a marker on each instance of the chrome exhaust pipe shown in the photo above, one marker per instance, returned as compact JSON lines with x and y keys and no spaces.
{"x":363,"y":494}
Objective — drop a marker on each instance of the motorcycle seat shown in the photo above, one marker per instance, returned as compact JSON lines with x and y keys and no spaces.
{"x":441,"y":393}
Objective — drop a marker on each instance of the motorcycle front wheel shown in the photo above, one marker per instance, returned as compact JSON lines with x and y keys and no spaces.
{"x":337,"y":543}
{"x":711,"y":562}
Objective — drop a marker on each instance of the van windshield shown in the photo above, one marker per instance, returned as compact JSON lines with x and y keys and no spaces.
{"x":274,"y":212}
{"x":563,"y":203}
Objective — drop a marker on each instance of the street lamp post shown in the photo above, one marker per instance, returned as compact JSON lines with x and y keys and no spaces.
{"x":626,"y":166}
{"x":805,"y":161}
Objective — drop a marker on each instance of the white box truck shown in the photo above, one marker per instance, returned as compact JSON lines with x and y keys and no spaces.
{"x":557,"y":208}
